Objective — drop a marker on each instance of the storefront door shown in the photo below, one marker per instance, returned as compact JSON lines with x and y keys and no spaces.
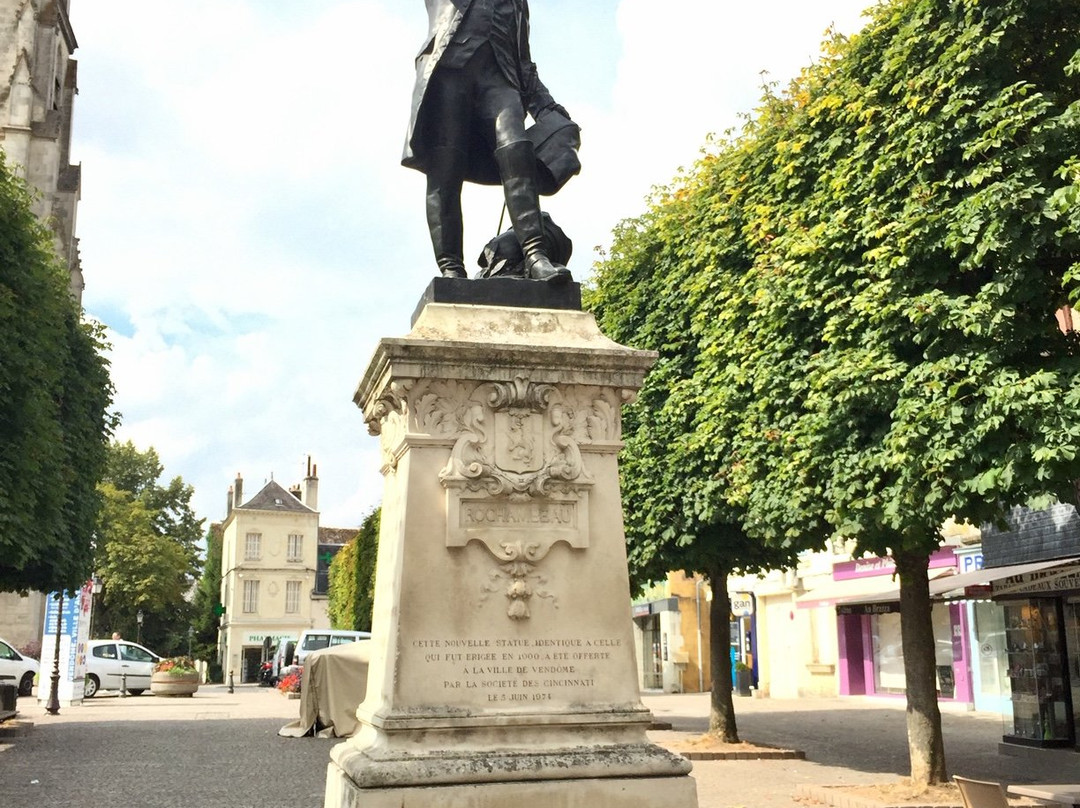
{"x":251,"y":664}
{"x":990,"y":667}
{"x":652,"y":659}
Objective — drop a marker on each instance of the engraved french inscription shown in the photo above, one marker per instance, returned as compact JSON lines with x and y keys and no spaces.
{"x":507,"y":671}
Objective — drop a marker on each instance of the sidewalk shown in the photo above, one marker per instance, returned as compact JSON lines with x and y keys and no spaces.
{"x":220,"y":749}
{"x":846,"y":741}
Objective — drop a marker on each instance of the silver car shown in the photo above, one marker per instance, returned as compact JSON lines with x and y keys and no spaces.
{"x":118,"y":665}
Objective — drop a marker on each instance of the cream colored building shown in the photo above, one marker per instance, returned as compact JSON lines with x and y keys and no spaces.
{"x":37,"y":94}
{"x":270,"y":547}
{"x":275,"y":560}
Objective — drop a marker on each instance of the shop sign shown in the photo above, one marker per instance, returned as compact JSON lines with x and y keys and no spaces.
{"x":258,"y":638}
{"x":867,"y":567}
{"x":868,"y":608}
{"x":66,"y":622}
{"x":742,"y":604}
{"x":1054,"y":579}
{"x":971,"y":561}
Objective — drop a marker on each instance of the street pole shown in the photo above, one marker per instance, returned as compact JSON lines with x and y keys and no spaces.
{"x":138,"y":630}
{"x":53,"y":705}
{"x":95,"y":590}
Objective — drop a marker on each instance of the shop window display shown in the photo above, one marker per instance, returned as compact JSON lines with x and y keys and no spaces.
{"x":889,"y":653}
{"x":1033,"y":643}
{"x":1072,"y":645}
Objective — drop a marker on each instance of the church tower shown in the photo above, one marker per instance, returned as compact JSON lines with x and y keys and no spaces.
{"x":37,"y":92}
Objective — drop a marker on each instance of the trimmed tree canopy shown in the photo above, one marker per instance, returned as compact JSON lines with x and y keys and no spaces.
{"x":54,"y":399}
{"x":858,"y":298}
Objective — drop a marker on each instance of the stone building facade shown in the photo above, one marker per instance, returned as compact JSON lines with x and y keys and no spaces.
{"x":38,"y":84}
{"x":274,"y":564}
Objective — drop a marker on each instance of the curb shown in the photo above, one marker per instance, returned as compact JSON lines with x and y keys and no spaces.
{"x":15,"y":729}
{"x":760,"y":754}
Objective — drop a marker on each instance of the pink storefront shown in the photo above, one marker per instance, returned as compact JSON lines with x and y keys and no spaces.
{"x":870,"y":652}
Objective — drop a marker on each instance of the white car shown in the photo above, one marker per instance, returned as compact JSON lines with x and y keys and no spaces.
{"x":116,"y":665}
{"x":316,"y":639}
{"x":17,"y":669}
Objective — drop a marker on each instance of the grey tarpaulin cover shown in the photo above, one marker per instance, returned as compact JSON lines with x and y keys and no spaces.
{"x":333,"y":684}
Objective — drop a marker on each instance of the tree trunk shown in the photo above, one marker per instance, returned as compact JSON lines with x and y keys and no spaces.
{"x":925,"y":745}
{"x":722,"y":706}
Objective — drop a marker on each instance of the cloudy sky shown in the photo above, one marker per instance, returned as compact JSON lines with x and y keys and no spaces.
{"x":248,"y":235}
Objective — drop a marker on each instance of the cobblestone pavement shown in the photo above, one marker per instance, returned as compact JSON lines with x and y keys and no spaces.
{"x":222,"y":750}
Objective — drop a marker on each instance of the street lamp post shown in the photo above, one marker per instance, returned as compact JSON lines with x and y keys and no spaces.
{"x":138,"y":631}
{"x":53,"y":705}
{"x":190,"y":633}
{"x":96,"y":585}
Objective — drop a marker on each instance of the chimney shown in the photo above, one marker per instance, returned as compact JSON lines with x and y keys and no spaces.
{"x":228,"y":502}
{"x":238,"y":491}
{"x":309,"y":492}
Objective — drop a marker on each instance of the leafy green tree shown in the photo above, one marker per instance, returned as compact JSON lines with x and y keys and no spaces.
{"x":678,"y":514}
{"x":206,"y":606}
{"x":869,"y":273}
{"x":352,"y":578}
{"x":55,"y":395}
{"x":148,"y":554}
{"x":341,"y":588}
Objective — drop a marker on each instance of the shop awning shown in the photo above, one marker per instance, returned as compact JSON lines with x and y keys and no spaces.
{"x":873,"y":589}
{"x":944,"y":585}
{"x":978,"y":583}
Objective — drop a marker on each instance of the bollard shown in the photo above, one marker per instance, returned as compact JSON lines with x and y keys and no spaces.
{"x":123,"y":685}
{"x":230,"y":682}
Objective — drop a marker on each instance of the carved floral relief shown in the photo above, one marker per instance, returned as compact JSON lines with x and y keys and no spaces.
{"x":515,"y":478}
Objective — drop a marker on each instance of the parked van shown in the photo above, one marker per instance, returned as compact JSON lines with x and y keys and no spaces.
{"x":315,"y":639}
{"x":278,"y":662}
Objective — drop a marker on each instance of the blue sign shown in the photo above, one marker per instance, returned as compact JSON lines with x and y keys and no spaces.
{"x":970,"y":562}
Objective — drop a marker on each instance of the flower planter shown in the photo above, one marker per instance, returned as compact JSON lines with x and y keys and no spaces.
{"x":744,"y":681}
{"x":171,"y":684}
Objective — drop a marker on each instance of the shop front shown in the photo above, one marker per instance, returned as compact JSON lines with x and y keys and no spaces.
{"x":871,"y":650}
{"x":870,"y":660}
{"x":1042,"y":644}
{"x":655,"y":621}
{"x":1040,"y":603}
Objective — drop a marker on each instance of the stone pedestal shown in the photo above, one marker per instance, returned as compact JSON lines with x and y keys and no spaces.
{"x":503,"y":668}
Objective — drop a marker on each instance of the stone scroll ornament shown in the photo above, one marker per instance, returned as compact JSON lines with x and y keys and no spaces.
{"x":515,"y":479}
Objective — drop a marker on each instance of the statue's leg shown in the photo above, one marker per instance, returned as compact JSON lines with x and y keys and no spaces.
{"x":517,"y":169}
{"x":445,"y":176}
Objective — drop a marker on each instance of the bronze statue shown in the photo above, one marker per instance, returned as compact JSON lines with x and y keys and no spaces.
{"x":475,"y":80}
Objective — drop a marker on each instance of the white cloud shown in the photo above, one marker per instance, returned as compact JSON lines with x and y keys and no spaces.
{"x":248,"y":234}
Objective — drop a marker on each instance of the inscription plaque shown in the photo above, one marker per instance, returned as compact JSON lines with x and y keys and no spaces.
{"x":499,"y":520}
{"x":505,"y":671}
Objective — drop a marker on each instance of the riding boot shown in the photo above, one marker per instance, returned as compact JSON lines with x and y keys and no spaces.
{"x":517,"y":168}
{"x":445,"y":175}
